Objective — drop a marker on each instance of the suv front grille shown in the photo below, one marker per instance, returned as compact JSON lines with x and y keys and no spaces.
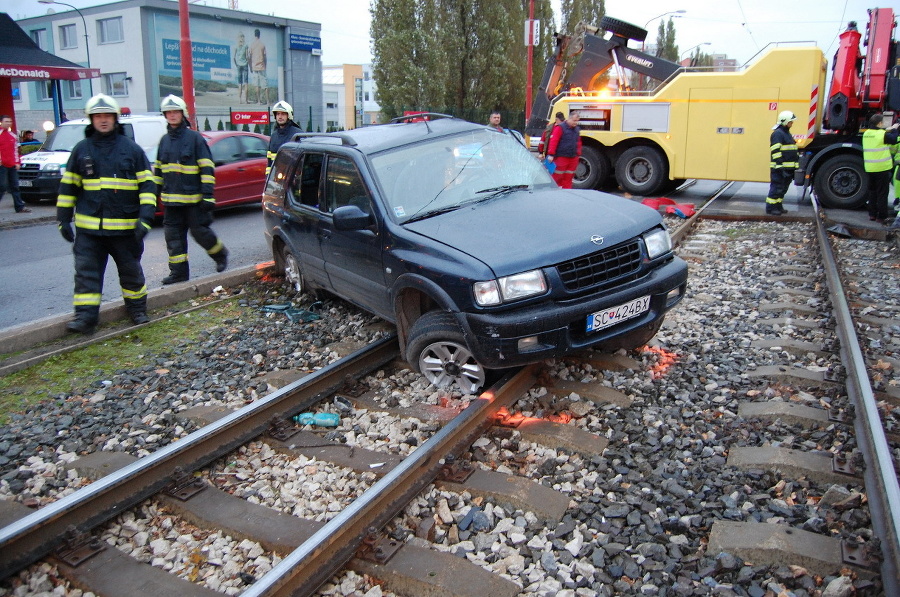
{"x":603,"y":266}
{"x":29,"y":171}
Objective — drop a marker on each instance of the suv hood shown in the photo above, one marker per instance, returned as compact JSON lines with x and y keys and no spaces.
{"x":42,"y":157}
{"x":503,"y":232}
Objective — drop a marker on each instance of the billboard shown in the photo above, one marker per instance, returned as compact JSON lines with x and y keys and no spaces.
{"x":234,"y":64}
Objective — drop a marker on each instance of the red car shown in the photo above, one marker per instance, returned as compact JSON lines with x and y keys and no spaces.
{"x":240,"y":159}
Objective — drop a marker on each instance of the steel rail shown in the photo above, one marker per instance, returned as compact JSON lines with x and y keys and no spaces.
{"x":880,"y":476}
{"x":684,"y":230}
{"x":34,"y":536}
{"x":315,"y":561}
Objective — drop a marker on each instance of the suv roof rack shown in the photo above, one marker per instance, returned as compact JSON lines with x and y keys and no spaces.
{"x":426,"y":116}
{"x":345,"y":139}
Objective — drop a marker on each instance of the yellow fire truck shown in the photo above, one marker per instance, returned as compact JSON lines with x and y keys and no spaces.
{"x":703,"y":124}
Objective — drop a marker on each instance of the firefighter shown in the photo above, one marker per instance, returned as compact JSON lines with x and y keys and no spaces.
{"x":784,"y":159}
{"x":564,"y":149}
{"x":877,"y":159}
{"x":108,"y":186}
{"x":285,"y":129}
{"x":185,"y":177}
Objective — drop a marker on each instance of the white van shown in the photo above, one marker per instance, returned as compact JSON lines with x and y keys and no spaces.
{"x":41,"y":171}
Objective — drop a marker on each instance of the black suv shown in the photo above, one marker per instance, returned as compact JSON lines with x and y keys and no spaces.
{"x":458,"y":235}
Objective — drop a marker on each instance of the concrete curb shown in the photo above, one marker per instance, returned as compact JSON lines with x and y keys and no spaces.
{"x":48,"y":329}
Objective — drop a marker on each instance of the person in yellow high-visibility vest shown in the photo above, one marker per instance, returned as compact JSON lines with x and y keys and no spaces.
{"x":879,"y":164}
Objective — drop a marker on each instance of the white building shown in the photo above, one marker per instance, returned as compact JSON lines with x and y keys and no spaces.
{"x":349,"y":96}
{"x":135,"y":44}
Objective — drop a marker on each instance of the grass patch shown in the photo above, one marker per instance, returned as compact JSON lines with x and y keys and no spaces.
{"x":72,"y":372}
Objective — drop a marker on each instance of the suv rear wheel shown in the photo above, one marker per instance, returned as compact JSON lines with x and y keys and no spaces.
{"x":437,"y":349}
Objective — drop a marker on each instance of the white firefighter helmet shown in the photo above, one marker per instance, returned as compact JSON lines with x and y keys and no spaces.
{"x":101,"y":104}
{"x":173,"y":102}
{"x":786,"y":117}
{"x":285,"y":107}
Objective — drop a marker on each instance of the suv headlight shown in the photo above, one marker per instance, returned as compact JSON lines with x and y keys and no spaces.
{"x":658,"y":242}
{"x":510,"y":288}
{"x":50,"y":167}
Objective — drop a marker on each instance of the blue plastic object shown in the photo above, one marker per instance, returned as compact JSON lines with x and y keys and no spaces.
{"x":318,"y":419}
{"x":551,"y":166}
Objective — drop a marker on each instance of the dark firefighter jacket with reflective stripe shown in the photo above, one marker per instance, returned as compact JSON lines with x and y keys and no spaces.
{"x":184,"y":170}
{"x":108,"y":185}
{"x":280,"y":136}
{"x":783,"y":149}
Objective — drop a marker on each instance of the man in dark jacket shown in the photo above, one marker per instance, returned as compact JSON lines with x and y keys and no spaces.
{"x":185,"y":176}
{"x":109,"y":188}
{"x":285,"y":129}
{"x":784,"y":159}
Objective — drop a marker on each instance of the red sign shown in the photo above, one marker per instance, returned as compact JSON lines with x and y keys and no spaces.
{"x":46,"y":73}
{"x":249,"y":117}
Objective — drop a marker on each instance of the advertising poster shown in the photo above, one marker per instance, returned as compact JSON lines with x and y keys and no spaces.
{"x":235,"y":65}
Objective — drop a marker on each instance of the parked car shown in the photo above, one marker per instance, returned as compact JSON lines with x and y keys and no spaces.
{"x":42,"y":170}
{"x":459,"y":236}
{"x":240,"y":159}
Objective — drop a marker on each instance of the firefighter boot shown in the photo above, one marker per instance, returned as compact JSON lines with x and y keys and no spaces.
{"x":221,"y":259}
{"x":178,"y":272}
{"x":80,"y":326}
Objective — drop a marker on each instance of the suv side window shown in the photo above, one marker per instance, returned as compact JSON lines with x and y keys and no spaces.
{"x":344,"y":186}
{"x":305,"y":185}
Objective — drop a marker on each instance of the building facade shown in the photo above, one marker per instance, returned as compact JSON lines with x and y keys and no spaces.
{"x":242,"y":61}
{"x":349,"y":96}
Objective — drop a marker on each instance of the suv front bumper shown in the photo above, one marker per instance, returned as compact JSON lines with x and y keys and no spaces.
{"x":560,"y":327}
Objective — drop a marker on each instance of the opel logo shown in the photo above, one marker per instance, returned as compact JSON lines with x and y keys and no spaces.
{"x":597,"y":239}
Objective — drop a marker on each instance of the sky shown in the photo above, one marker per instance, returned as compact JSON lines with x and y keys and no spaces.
{"x":738,"y":28}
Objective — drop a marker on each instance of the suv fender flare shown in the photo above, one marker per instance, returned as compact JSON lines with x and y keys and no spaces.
{"x":414,"y":295}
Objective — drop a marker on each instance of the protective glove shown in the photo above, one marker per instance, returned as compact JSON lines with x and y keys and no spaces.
{"x":141,"y":229}
{"x":65,"y":228}
{"x":207,"y":205}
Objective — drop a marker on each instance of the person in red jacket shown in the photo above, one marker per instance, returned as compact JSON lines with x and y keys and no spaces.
{"x":9,"y":164}
{"x":564,"y":150}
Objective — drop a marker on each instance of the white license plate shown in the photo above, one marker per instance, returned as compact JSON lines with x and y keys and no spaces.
{"x":613,"y":315}
{"x":24,"y":183}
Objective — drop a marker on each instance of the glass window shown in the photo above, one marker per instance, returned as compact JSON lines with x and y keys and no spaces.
{"x":344,"y":186}
{"x":305,"y":185}
{"x":367,"y":96}
{"x":72,"y":90}
{"x":114,"y":84}
{"x":68,"y":38}
{"x":254,"y":147}
{"x":39,"y":36}
{"x":111,"y":30}
{"x":44,"y":90}
{"x":16,"y":92}
{"x":226,"y":151}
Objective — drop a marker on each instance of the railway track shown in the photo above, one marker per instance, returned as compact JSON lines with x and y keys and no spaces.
{"x":608,"y":503}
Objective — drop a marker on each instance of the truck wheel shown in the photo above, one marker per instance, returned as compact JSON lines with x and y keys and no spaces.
{"x":290,"y":266}
{"x":437,"y":349}
{"x":593,"y":170}
{"x":841,"y":183}
{"x":622,"y":28}
{"x":641,"y":170}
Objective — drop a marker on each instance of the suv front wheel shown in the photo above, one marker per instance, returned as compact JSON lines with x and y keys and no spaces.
{"x":437,"y":349}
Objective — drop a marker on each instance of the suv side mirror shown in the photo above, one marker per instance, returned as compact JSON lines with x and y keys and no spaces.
{"x":351,"y":217}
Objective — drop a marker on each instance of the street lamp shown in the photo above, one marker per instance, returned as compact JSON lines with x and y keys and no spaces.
{"x":688,"y":51}
{"x":87,"y":48}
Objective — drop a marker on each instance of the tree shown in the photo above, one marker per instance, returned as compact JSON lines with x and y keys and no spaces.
{"x":220,"y":126}
{"x":206,"y":125}
{"x":581,"y":11}
{"x":665,"y":41}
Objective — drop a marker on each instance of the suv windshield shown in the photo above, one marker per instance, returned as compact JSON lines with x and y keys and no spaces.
{"x":443,"y":174}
